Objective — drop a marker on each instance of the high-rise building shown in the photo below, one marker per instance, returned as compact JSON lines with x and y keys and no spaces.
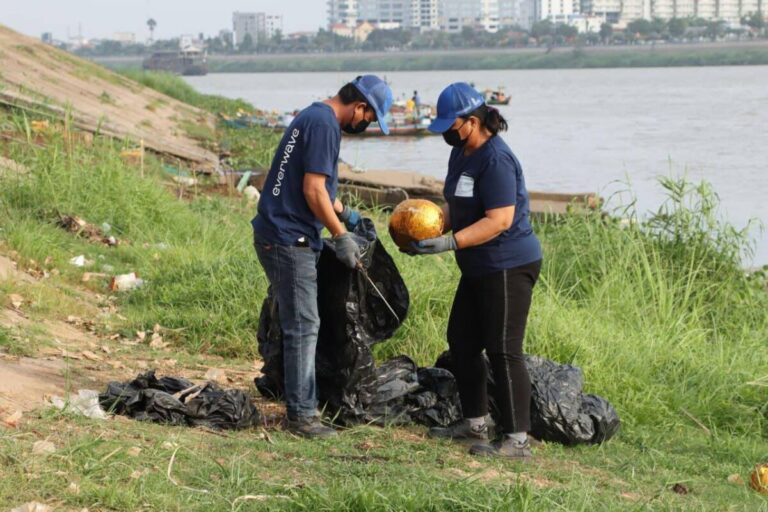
{"x":425,"y":14}
{"x":343,"y":12}
{"x":259,"y":25}
{"x":457,"y":14}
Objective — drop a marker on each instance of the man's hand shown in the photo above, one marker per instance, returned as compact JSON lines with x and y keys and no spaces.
{"x":434,"y":245}
{"x":351,"y":218}
{"x":347,"y":250}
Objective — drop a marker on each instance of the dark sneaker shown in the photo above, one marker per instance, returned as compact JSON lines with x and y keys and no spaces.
{"x":504,"y":447}
{"x":309,"y":427}
{"x":460,"y":430}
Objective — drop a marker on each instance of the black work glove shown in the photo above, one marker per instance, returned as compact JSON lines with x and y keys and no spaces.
{"x":347,"y":250}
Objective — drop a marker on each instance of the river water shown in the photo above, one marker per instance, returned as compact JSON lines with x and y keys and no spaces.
{"x":597,"y":130}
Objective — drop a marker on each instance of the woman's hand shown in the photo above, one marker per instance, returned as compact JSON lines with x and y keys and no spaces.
{"x":433,"y":245}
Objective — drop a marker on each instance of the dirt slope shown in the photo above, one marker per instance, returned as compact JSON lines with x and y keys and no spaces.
{"x":40,"y":77}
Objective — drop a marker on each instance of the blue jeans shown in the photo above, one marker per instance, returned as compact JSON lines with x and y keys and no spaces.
{"x":292,"y":275}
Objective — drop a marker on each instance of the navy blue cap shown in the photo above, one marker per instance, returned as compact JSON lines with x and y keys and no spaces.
{"x":458,"y":99}
{"x":379,"y":97}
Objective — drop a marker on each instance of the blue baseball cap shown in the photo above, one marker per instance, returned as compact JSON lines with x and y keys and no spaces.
{"x":456,"y":100}
{"x":379,"y":97}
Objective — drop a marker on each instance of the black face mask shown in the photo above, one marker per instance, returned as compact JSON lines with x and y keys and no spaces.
{"x":453,"y":138}
{"x":358,"y":128}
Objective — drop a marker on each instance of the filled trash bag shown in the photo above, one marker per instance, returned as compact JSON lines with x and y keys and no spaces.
{"x":560,"y":412}
{"x":178,"y":401}
{"x":353,"y":318}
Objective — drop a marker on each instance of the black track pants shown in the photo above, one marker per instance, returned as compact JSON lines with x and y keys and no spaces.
{"x":490,"y":313}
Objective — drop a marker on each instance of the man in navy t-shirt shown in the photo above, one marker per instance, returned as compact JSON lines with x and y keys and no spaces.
{"x":297,"y":201}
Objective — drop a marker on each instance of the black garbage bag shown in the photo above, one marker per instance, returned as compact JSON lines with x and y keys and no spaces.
{"x":178,"y":401}
{"x":226,"y":409}
{"x":560,"y":412}
{"x":353,"y":318}
{"x":437,"y":404}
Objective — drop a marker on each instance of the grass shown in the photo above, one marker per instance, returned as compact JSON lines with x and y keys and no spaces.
{"x":659,"y":314}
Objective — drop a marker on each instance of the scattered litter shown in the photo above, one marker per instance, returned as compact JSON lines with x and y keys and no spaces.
{"x":252,"y":194}
{"x":157,"y":342}
{"x":243,"y":183}
{"x":85,"y":402}
{"x":33,"y":506}
{"x":38,"y":126}
{"x":124,"y":282}
{"x":186,"y":181}
{"x":735,"y":479}
{"x":78,"y":261}
{"x":84,"y":229}
{"x":216,"y":375}
{"x":759,"y":478}
{"x":178,"y":401}
{"x":16,"y":300}
{"x":43,"y":447}
{"x":12,"y":420}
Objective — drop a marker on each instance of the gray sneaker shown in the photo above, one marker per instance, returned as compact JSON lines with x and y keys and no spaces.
{"x":460,"y":430}
{"x":310,"y":427}
{"x":504,"y":447}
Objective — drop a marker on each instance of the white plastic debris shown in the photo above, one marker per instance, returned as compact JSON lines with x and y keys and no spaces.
{"x":78,"y":261}
{"x":106,"y":228}
{"x":85,"y":402}
{"x":125,"y":282}
{"x":252,"y":194}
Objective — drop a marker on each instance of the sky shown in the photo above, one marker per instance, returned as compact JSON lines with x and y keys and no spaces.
{"x":102,"y":18}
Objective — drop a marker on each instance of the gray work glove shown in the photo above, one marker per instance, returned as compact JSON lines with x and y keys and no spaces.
{"x":347,"y":250}
{"x":351,"y":218}
{"x":434,"y":245}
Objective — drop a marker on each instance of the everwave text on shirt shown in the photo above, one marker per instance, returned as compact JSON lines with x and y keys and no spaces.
{"x":286,"y":158}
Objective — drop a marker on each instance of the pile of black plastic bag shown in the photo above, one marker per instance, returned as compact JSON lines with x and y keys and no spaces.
{"x":177,"y":401}
{"x":354,"y":318}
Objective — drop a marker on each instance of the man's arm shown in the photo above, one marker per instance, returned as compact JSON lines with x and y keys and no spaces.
{"x":320,"y":203}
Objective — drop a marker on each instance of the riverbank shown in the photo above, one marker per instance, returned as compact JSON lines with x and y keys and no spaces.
{"x":658,"y":314}
{"x":660,"y":55}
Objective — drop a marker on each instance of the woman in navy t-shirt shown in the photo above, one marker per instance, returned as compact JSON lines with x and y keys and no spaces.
{"x":499,"y":257}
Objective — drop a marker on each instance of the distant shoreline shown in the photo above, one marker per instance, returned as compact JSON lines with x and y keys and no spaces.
{"x":659,"y":55}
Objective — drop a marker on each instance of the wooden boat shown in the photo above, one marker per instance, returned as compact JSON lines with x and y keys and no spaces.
{"x":496,"y":97}
{"x":403,"y":122}
{"x":180,"y":62}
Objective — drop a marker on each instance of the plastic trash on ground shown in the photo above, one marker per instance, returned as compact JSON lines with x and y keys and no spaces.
{"x":85,"y":402}
{"x":560,"y":412}
{"x":178,"y":401}
{"x":125,"y":282}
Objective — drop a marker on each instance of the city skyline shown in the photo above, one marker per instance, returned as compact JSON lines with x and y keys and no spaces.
{"x":101,"y":20}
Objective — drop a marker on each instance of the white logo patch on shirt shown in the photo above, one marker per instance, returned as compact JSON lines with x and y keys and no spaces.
{"x":465,"y":187}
